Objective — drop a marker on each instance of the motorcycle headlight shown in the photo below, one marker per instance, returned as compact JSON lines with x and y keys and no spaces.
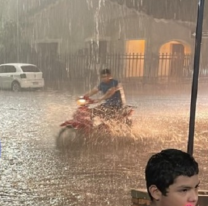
{"x":81,"y":102}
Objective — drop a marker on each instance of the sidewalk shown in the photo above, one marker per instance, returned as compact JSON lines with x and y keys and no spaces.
{"x":163,"y":89}
{"x":132,"y":88}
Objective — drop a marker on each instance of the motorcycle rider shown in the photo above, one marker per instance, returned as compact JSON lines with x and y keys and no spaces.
{"x":112,"y":91}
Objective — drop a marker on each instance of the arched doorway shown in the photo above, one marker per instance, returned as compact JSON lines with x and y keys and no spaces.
{"x":174,"y":59}
{"x":134,"y":58}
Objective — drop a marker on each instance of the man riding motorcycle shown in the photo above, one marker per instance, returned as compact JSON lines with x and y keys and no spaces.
{"x":113,"y":94}
{"x":88,"y":122}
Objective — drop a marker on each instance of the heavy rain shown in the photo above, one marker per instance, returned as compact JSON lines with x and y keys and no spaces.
{"x":149,"y":47}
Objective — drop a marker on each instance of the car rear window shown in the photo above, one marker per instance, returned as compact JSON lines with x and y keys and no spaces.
{"x":30,"y":69}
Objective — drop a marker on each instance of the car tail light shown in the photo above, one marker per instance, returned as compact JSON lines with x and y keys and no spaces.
{"x":22,"y":76}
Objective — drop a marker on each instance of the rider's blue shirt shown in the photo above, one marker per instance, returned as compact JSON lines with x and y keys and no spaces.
{"x":115,"y":99}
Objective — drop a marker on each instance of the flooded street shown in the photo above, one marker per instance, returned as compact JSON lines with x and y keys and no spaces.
{"x":71,"y":46}
{"x":34,"y":172}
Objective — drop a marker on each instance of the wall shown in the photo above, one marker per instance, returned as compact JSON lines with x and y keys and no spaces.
{"x":74,"y":22}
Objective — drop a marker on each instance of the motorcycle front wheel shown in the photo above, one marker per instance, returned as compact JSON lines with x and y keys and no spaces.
{"x":66,"y":138}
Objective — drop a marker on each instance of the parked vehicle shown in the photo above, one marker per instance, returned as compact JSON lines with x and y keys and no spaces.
{"x":89,"y":122}
{"x":17,"y":76}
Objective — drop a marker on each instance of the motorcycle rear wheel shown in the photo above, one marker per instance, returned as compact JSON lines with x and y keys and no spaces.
{"x":66,"y":138}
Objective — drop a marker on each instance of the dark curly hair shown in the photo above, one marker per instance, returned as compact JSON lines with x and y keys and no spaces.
{"x":163,"y":168}
{"x":105,"y":71}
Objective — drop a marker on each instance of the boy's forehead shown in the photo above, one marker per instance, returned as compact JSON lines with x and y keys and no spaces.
{"x":185,"y":181}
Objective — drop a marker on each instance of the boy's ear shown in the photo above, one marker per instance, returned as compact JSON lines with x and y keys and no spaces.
{"x":155,"y":192}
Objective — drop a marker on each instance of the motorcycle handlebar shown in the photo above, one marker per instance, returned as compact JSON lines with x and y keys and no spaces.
{"x":89,"y":100}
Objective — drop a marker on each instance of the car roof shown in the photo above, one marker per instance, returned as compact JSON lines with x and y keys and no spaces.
{"x":17,"y":64}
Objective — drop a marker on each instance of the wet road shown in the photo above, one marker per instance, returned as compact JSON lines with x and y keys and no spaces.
{"x":34,"y":173}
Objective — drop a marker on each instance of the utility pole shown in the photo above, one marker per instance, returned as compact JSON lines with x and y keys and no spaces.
{"x":198,"y":38}
{"x":18,"y":32}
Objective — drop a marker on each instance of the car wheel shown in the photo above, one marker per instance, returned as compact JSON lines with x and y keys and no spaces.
{"x":16,"y":87}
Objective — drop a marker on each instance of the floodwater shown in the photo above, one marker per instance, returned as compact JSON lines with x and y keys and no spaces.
{"x":34,"y":172}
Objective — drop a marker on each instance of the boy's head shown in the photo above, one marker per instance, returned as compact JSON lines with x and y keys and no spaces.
{"x":105,"y":75}
{"x":172,"y":178}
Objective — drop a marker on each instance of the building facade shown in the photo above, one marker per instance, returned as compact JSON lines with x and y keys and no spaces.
{"x":131,"y":37}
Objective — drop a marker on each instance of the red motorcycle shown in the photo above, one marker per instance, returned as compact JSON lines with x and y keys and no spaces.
{"x":91,"y":122}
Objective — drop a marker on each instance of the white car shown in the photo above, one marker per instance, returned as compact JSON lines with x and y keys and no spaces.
{"x":17,"y":76}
